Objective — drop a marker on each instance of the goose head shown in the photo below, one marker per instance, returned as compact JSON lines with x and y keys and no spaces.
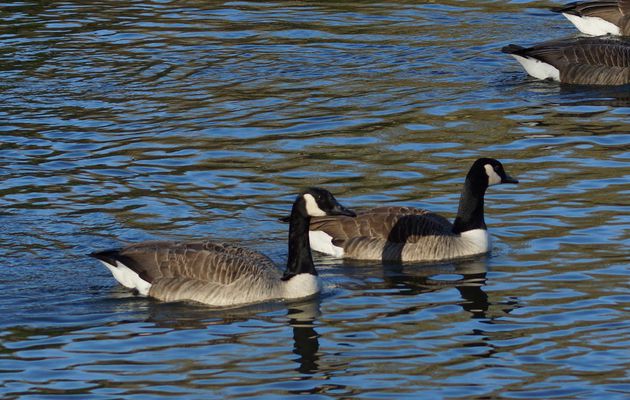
{"x":318,"y":202}
{"x":488,"y":172}
{"x":313,"y":202}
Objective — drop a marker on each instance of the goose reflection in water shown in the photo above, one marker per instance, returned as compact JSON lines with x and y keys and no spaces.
{"x":301,"y":316}
{"x":469,"y":283}
{"x":467,"y":276}
{"x":550,"y":93}
{"x":606,"y":96}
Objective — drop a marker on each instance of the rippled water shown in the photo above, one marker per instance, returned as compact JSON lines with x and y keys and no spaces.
{"x":125,"y":120}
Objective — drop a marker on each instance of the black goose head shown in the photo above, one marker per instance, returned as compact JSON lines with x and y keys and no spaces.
{"x":483,"y":173}
{"x":317,"y":202}
{"x":488,"y":172}
{"x":313,"y":202}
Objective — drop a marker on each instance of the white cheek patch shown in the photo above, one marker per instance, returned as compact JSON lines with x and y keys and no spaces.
{"x":493,"y":177}
{"x":312,"y":209}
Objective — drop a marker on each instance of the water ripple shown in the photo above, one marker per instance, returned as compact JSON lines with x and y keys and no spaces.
{"x":146,"y":120}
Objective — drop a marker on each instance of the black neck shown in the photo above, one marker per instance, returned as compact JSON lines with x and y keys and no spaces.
{"x":300,"y":260}
{"x":470,"y":212}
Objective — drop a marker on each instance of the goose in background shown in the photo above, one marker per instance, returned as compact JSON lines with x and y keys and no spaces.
{"x":598,"y":18}
{"x":220,"y":274}
{"x":411,"y":234}
{"x":583,"y":60}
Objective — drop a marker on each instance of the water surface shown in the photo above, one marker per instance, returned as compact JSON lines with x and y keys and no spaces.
{"x":126,"y":120}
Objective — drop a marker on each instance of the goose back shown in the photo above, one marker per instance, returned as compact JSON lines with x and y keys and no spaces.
{"x":207,"y":272}
{"x":585,"y":60}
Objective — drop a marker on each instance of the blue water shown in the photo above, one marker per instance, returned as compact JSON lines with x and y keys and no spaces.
{"x":129,"y":121}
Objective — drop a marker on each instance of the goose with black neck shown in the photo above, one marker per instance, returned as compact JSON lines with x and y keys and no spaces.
{"x":221,"y":274}
{"x":398,"y":233}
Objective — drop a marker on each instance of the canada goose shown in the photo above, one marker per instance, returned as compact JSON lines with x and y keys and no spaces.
{"x":411,"y":234}
{"x":599,"y":17}
{"x":220,"y":274}
{"x":583,"y":60}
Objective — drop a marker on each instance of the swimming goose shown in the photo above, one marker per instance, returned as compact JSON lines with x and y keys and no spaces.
{"x":220,"y":274}
{"x":411,"y":234}
{"x":583,"y":60}
{"x":599,"y":17}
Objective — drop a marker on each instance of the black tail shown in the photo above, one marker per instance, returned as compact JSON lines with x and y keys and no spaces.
{"x":512,"y":49}
{"x":114,"y":256}
{"x":109,"y":256}
{"x":569,"y":8}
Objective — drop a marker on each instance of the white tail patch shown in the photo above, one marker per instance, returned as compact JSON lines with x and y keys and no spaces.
{"x":322,"y":242}
{"x":594,"y":26}
{"x":312,"y":209}
{"x":128,"y":278}
{"x":537,"y":68}
{"x":301,"y":285}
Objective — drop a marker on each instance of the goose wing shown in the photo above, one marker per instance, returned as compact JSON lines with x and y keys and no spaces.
{"x":394,"y":224}
{"x":585,"y":60}
{"x":213,"y":273}
{"x":607,"y":10}
{"x":612,"y":52}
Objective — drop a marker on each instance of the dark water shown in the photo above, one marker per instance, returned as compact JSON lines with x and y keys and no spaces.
{"x":125,"y":120}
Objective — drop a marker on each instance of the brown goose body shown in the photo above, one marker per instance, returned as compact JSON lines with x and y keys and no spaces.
{"x":203,"y":271}
{"x":599,"y":17}
{"x":412,"y":234}
{"x":583,"y":60}
{"x":221,"y":274}
{"x":399,"y":234}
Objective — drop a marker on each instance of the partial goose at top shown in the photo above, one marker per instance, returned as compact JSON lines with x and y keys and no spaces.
{"x":412,"y":234}
{"x":221,"y":274}
{"x":583,"y":60}
{"x":599,"y":17}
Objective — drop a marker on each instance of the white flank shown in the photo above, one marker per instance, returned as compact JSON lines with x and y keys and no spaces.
{"x":538,"y":69}
{"x":322,"y":242}
{"x":479,"y":240}
{"x":128,"y":278}
{"x":594,"y":26}
{"x":312,"y":208}
{"x":493,"y":177}
{"x":301,"y":285}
